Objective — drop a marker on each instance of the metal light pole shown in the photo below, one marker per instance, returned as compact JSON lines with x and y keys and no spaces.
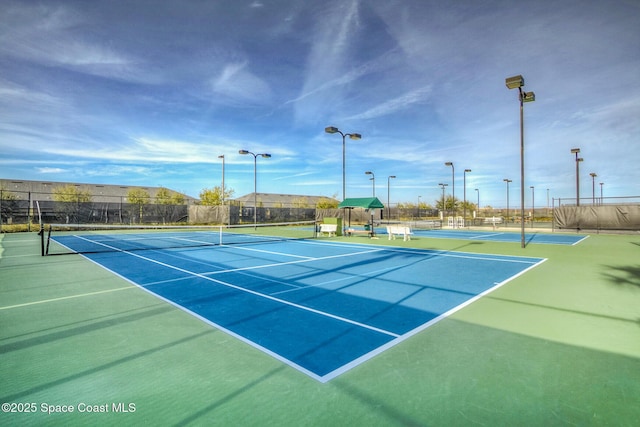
{"x":601,"y":199}
{"x":331,"y":129}
{"x":478,"y":206}
{"x":388,"y":198}
{"x":578,"y":160}
{"x":547,"y":198}
{"x":507,"y":181}
{"x":453,"y":191}
{"x":373,"y":181}
{"x":255,"y":182}
{"x":593,"y":187}
{"x":222,"y":198}
{"x":464,"y":196}
{"x":513,"y":83}
{"x":443,"y":205}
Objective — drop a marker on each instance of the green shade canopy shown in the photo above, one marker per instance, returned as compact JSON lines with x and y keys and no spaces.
{"x":361,"y":202}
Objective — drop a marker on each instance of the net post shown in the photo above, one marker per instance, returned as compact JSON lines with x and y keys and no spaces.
{"x":41,"y":234}
{"x":48,"y":239}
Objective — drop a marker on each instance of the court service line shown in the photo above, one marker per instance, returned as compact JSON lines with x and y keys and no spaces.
{"x":239,"y":288}
{"x":300,"y":261}
{"x":67,"y":297}
{"x":271,"y":252}
{"x":481,"y":236}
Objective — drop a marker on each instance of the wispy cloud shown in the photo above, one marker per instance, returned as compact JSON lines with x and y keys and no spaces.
{"x":51,"y":170}
{"x":391,"y":106}
{"x":237,"y":83}
{"x":49,"y":35}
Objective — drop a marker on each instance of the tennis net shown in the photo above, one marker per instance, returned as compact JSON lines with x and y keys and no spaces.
{"x":92,"y":238}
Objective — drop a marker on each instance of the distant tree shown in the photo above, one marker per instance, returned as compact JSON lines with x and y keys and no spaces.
{"x":449,"y":203}
{"x":469,"y":206}
{"x":71,"y":193}
{"x":326,"y":203}
{"x":300,"y":202}
{"x":9,"y":202}
{"x":213,"y":196}
{"x":165,"y":196}
{"x":138,"y":197}
{"x":167,"y":203}
{"x":68,"y":199}
{"x":7,"y":195}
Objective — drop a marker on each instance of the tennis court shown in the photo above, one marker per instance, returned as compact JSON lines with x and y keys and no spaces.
{"x":320,"y":307}
{"x":503,"y":236}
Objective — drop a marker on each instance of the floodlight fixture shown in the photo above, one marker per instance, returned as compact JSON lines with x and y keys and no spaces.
{"x":255,"y":181}
{"x":464,"y":195}
{"x":517,"y":82}
{"x":373,"y":181}
{"x":222,"y":189}
{"x":575,"y":150}
{"x":453,"y":189}
{"x":333,"y":129}
{"x":593,"y":187}
{"x":514,"y":82}
{"x":507,"y":181}
{"x":443,"y":203}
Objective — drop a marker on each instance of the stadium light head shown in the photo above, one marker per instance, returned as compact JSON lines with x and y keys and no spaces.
{"x":392,"y":176}
{"x":331,"y":129}
{"x":514,"y":82}
{"x":243,"y":152}
{"x":528,"y":97}
{"x":467,"y":170}
{"x":575,"y":150}
{"x":448,"y":164}
{"x":579,"y":159}
{"x":355,"y":136}
{"x":266,"y":155}
{"x":368,"y":173}
{"x":507,"y":180}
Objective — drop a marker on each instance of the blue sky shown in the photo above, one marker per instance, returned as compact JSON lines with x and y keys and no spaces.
{"x":150,"y":93}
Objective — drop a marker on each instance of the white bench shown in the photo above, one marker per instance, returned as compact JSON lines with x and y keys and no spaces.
{"x":493,"y":220}
{"x":329,"y":229}
{"x":352,"y":231}
{"x":402,"y":230}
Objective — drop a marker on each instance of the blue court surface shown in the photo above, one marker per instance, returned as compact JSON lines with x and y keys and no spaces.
{"x":321,"y":307}
{"x":501,"y":236}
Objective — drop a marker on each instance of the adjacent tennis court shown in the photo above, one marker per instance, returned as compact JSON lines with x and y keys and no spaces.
{"x":501,"y":236}
{"x":321,"y":307}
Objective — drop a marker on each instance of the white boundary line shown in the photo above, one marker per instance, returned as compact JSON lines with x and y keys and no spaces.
{"x":67,"y":297}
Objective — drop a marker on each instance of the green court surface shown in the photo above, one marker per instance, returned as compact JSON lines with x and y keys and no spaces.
{"x":558,"y":345}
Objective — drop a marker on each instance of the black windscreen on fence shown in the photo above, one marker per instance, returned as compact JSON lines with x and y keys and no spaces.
{"x":111,"y":213}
